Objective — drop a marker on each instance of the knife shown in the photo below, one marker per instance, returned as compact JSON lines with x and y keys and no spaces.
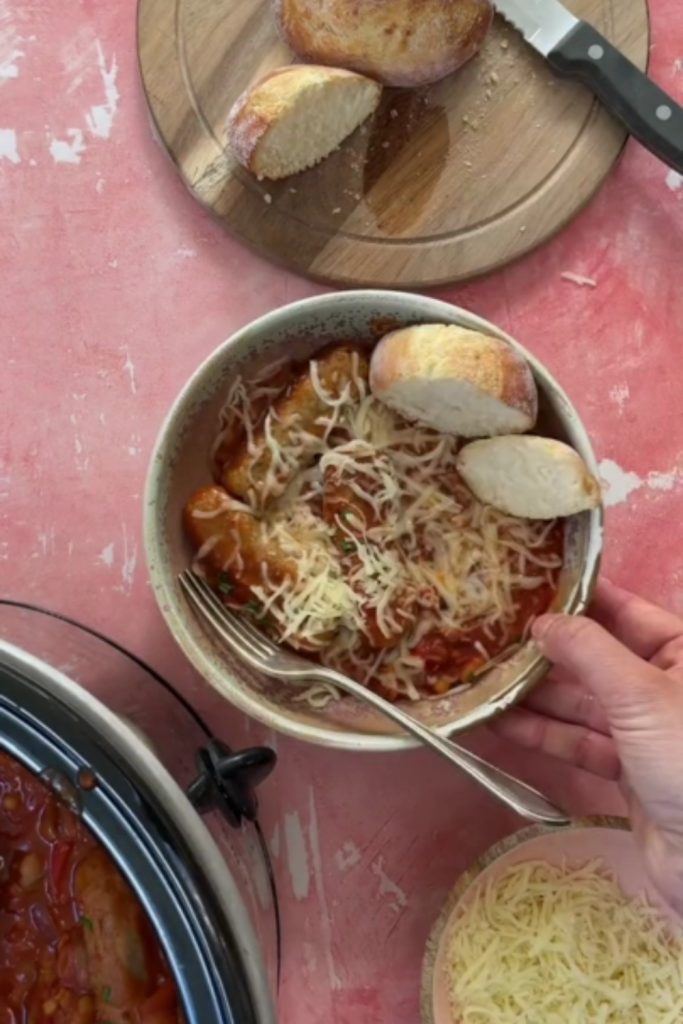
{"x":575,"y":49}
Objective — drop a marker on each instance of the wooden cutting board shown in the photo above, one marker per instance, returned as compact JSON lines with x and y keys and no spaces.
{"x":443,"y":184}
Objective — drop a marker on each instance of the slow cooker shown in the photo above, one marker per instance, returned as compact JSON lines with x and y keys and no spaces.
{"x":173,"y":805}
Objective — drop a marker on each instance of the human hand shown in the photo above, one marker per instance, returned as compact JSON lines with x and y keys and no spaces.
{"x":613,"y":705}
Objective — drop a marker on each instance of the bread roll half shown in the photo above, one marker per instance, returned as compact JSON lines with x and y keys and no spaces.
{"x":400,"y":42}
{"x":296,"y":116}
{"x":531,"y":477}
{"x":455,"y":380}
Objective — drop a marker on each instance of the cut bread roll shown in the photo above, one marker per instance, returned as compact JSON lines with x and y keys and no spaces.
{"x":400,"y":42}
{"x":455,"y":380}
{"x":296,"y":116}
{"x":531,"y":477}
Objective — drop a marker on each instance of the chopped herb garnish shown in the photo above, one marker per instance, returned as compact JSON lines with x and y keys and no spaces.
{"x":225,"y":584}
{"x":348,"y":547}
{"x":106,"y":994}
{"x":253,"y":606}
{"x":86,"y":922}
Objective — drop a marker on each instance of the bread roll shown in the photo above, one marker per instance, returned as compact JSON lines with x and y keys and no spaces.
{"x":400,"y":42}
{"x":531,"y":477}
{"x":455,"y":380}
{"x":296,"y":116}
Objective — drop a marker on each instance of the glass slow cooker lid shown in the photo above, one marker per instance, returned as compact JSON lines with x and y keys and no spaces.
{"x":136,"y":809}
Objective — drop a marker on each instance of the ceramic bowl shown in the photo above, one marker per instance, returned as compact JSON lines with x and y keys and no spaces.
{"x":604,"y":838}
{"x":180,"y":465}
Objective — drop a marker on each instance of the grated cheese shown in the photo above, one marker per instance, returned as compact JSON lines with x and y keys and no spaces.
{"x":544,"y":944}
{"x":418,"y":554}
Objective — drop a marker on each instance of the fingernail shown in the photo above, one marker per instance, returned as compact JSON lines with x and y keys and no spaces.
{"x":540,"y":627}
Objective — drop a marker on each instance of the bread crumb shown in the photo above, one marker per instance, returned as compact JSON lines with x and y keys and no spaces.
{"x":522,"y":229}
{"x":357,"y":196}
{"x":293,"y":191}
{"x":393,"y":112}
{"x":267,"y":198}
{"x":493,"y":78}
{"x":579,"y":279}
{"x":385,"y":145}
{"x":504,"y":44}
{"x":488,"y":94}
{"x":336,"y":210}
{"x":468,"y":163}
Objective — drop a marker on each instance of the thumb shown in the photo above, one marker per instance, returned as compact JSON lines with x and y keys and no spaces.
{"x":623,"y":683}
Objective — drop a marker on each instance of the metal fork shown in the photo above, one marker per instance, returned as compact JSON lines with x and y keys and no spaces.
{"x":257,"y":650}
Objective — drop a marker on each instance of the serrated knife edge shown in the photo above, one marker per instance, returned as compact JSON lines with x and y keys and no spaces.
{"x":543,"y":23}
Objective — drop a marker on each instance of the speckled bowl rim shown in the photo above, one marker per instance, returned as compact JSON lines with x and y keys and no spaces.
{"x":244,"y":698}
{"x":470,"y":876}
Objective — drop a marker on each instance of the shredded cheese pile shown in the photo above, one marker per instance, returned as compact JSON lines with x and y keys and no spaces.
{"x":423,"y":552}
{"x":543,"y":944}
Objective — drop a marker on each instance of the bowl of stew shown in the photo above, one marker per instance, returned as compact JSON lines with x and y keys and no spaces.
{"x":252,"y":526}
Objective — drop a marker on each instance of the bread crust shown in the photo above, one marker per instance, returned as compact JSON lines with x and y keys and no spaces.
{"x":438,"y":351}
{"x":399,"y":42}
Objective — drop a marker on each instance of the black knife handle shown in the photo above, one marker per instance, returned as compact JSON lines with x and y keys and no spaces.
{"x":648,"y":113}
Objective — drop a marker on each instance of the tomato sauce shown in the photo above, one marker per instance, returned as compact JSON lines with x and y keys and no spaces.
{"x":451,"y":660}
{"x":75,"y":945}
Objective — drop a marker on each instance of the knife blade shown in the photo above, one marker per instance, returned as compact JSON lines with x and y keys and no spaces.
{"x":574,"y":49}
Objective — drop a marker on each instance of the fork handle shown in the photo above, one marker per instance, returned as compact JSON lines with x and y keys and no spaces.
{"x":523,"y":799}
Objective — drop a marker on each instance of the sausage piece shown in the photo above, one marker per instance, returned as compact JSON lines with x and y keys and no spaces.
{"x":239,"y":553}
{"x":256,"y":397}
{"x":233,"y":545}
{"x":288,"y":439}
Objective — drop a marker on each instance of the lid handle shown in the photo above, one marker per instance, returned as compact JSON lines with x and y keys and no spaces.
{"x":227,"y":780}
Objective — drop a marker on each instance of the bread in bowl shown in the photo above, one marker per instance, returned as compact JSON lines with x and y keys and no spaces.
{"x":399,"y":42}
{"x":294,"y":117}
{"x":456,"y":380}
{"x":531,"y":477}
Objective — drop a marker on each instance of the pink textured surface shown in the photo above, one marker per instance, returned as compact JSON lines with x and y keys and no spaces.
{"x":114,"y":286}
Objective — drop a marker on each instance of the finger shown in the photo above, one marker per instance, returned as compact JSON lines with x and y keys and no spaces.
{"x":569,"y":702}
{"x":574,"y":744}
{"x":625,"y":685}
{"x":644,"y":627}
